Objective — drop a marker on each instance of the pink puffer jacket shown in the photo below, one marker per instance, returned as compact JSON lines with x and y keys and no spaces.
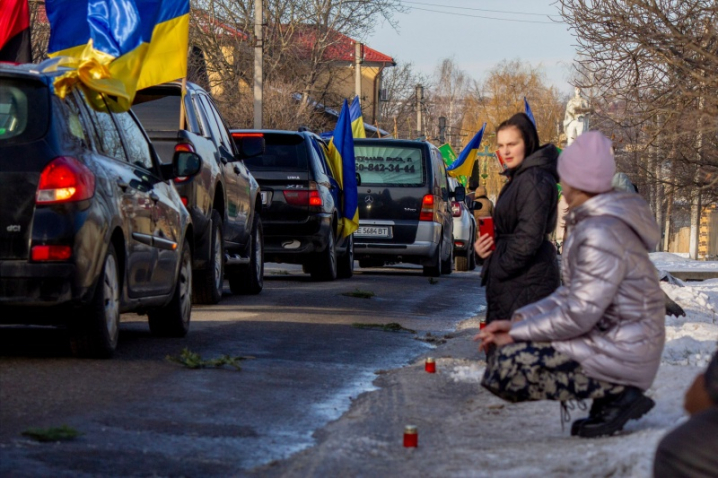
{"x":609,"y":316}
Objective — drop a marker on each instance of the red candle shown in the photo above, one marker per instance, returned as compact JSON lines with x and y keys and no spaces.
{"x":482,"y":324}
{"x":411,"y":436}
{"x":430,"y":365}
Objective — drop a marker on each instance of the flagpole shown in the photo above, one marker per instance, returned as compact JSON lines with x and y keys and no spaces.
{"x":182,"y":107}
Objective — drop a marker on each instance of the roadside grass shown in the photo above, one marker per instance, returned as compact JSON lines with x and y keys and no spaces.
{"x":390,"y":327}
{"x":61,"y":433}
{"x":194,"y":360}
{"x":360,"y":294}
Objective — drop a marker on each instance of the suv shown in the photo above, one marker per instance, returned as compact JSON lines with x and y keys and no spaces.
{"x":300,"y":203}
{"x":90,"y":224}
{"x":223,"y":199}
{"x":404,"y":205}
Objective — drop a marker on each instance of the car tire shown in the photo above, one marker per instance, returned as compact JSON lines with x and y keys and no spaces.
{"x":434,"y":270}
{"x":173,"y":319}
{"x":325,"y":265}
{"x":95,"y":332}
{"x":208,"y":283}
{"x":346,"y":262}
{"x":249,"y":279}
{"x":447,"y":265}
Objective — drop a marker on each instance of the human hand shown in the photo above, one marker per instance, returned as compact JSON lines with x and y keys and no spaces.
{"x":497,"y":333}
{"x":697,"y":398}
{"x":483,"y":245}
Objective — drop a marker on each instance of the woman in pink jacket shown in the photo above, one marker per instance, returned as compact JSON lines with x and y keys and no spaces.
{"x":601,"y":334}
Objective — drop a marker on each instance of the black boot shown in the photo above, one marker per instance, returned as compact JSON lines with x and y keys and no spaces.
{"x":592,"y":415}
{"x":613,"y":413}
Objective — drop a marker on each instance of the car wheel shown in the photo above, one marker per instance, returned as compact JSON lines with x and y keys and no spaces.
{"x":447,"y":264}
{"x":208,"y":283}
{"x":249,"y":279}
{"x":325,"y":266}
{"x":94,"y":333}
{"x":434,"y":270}
{"x":172,"y":320}
{"x":346,"y":261}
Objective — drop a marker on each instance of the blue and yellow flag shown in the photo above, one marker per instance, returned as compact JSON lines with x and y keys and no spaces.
{"x":117,"y":47}
{"x":464,"y":164}
{"x":341,"y":160}
{"x":356,"y":118}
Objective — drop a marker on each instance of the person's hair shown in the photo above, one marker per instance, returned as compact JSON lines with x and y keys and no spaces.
{"x":473,"y":184}
{"x":527,"y":129}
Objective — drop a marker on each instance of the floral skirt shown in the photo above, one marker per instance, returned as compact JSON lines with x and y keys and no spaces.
{"x":528,"y":371}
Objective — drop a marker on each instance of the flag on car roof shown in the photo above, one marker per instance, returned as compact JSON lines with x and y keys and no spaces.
{"x":528,"y":111}
{"x":341,"y":160}
{"x":356,"y":119}
{"x":118,"y":46}
{"x":464,"y":164}
{"x":15,"y":31}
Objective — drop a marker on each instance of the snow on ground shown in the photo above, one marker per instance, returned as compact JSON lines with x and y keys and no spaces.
{"x":669,"y":261}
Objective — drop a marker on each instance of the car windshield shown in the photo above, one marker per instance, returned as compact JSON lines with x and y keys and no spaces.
{"x":380,"y":165}
{"x":286,"y":152}
{"x":24,"y":110}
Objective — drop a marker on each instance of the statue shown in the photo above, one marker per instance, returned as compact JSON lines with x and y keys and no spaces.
{"x":576,"y":120}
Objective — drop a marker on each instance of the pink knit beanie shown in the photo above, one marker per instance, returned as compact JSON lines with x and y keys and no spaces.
{"x":588,"y":164}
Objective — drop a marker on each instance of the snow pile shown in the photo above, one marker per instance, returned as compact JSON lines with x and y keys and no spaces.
{"x":471,"y":373}
{"x":667,"y":261}
{"x":692,"y":339}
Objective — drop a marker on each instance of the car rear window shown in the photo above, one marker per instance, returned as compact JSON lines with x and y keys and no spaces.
{"x":157,"y":112}
{"x":390,"y":165}
{"x":286,"y":152}
{"x":24,"y":110}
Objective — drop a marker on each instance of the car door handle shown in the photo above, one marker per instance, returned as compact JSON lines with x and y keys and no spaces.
{"x":122,"y":184}
{"x":154,"y":196}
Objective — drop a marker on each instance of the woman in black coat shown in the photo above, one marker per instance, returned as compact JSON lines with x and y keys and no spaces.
{"x":523,"y":268}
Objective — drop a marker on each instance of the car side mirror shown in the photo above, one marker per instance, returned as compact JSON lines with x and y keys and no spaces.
{"x":358,"y":179}
{"x":251,"y":146}
{"x":185,"y":164}
{"x":477,"y":205}
{"x":459,"y":193}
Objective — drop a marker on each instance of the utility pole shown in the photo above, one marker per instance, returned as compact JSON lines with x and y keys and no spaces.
{"x":419,"y":102}
{"x":442,"y":129}
{"x":258,"y":63}
{"x":357,"y":68}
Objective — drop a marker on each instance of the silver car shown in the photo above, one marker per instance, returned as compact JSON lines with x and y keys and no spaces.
{"x":464,"y":233}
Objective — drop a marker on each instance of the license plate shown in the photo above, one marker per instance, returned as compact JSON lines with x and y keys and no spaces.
{"x":374,"y":231}
{"x":265,"y":197}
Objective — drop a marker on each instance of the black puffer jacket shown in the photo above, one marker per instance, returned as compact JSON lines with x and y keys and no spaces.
{"x":523,"y":267}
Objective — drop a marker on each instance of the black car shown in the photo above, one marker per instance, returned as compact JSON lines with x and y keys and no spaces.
{"x":90,"y":224}
{"x":404,"y":205}
{"x":223,"y":199}
{"x":300,"y":203}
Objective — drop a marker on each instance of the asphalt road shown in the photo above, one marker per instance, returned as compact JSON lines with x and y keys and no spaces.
{"x":140,"y":414}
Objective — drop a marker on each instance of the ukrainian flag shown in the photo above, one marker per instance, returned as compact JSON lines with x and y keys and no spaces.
{"x":341,"y":160}
{"x":118,"y":46}
{"x":464,"y":164}
{"x":356,"y":119}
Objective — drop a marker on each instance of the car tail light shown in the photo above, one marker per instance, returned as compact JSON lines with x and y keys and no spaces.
{"x":247,"y":135}
{"x":428,"y":208}
{"x":315,"y":199}
{"x":65,"y":179}
{"x":184,"y":200}
{"x":459,"y":243}
{"x":51,"y":253}
{"x":456,"y":208}
{"x":184,"y":147}
{"x":304,"y":197}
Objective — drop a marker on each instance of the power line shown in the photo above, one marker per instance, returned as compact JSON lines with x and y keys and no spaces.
{"x":484,"y":17}
{"x":475,"y":9}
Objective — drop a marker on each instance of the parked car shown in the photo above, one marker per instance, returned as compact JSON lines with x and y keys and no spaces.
{"x":464,"y":233}
{"x":300,"y":203}
{"x":404,"y":205}
{"x":91,"y":225}
{"x":223,"y":199}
